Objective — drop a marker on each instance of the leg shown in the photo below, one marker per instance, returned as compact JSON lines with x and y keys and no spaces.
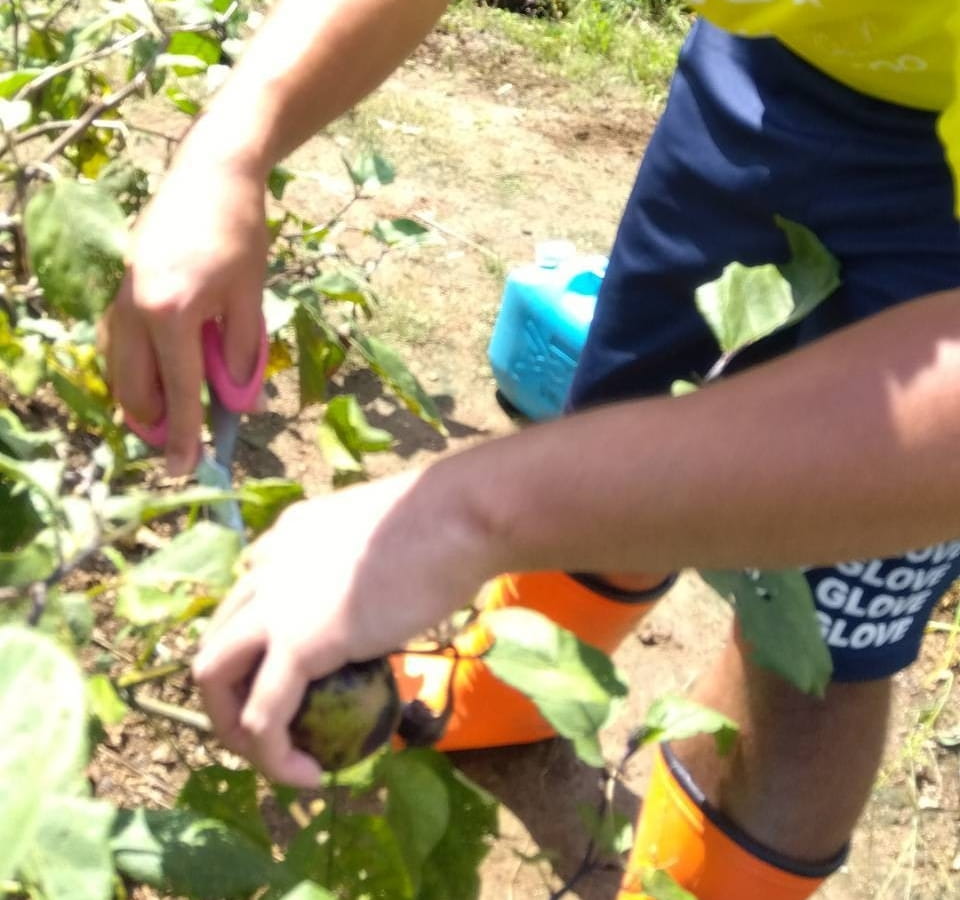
{"x":803,"y":768}
{"x":773,"y":819}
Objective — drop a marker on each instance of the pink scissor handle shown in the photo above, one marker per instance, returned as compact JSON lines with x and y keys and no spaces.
{"x":235,"y":397}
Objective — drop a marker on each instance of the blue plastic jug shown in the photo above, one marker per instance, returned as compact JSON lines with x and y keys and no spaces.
{"x":542,"y":325}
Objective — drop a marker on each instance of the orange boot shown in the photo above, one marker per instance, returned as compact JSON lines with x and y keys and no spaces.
{"x":485,"y":711}
{"x":704,"y":852}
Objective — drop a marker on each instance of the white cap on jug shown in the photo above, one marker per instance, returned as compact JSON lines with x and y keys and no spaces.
{"x":551,"y":254}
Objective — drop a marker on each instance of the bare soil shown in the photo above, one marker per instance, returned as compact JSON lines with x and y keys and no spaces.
{"x":501,"y":156}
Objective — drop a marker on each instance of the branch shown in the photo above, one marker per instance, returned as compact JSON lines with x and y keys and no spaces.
{"x":192,"y":719}
{"x":95,"y":111}
{"x":718,"y":368}
{"x":54,"y":72}
{"x":60,"y":124}
{"x":21,"y":265}
{"x":57,"y":12}
{"x":37,"y":590}
{"x":142,"y":676}
{"x":604,"y":806}
{"x":15,"y":21}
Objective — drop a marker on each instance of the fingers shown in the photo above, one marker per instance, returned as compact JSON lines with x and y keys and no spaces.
{"x":180,"y":358}
{"x":252,"y":692}
{"x":273,"y":702}
{"x":242,"y":324}
{"x":132,"y":371}
{"x":222,"y":671}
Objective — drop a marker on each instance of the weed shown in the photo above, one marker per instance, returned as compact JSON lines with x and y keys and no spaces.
{"x":602,"y":43}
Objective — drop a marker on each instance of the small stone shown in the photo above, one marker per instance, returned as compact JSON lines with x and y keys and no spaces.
{"x":162,"y":753}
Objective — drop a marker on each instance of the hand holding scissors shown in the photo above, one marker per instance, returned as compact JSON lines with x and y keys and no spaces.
{"x":227,"y":401}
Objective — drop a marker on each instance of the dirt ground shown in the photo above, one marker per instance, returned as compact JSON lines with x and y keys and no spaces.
{"x":500,"y":156}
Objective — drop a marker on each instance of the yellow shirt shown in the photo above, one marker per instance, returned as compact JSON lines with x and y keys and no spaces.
{"x":903,"y":51}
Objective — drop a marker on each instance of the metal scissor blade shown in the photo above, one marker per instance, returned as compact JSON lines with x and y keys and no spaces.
{"x":211,"y":473}
{"x":224,"y":424}
{"x":215,"y":469}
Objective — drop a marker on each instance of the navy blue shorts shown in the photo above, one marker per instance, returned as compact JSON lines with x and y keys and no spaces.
{"x":751,"y":130}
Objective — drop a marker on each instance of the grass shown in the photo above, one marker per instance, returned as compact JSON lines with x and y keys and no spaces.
{"x":600,"y":44}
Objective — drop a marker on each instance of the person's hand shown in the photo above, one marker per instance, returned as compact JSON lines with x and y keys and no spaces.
{"x":346,"y":577}
{"x":198,"y":252}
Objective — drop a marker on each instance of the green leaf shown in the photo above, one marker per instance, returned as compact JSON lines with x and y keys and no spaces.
{"x":395,"y":374}
{"x":262,"y":500}
{"x":613,"y":832}
{"x":144,"y":54}
{"x":84,"y":392}
{"x":345,"y":435}
{"x":77,"y":238}
{"x":399,"y":231}
{"x":202,"y":555}
{"x":361,"y":776}
{"x":574,"y":685}
{"x":20,"y":521}
{"x":190,"y":52}
{"x":216,"y":792}
{"x":744,"y":304}
{"x":339,"y":286}
{"x":34,"y":562}
{"x":70,"y":857}
{"x":44,"y":748}
{"x":418,"y":808}
{"x":451,"y":871}
{"x":12,"y":82}
{"x":74,"y":613}
{"x":190,"y":856}
{"x":307,"y":890}
{"x":277,"y":181}
{"x":163,"y":585}
{"x":22,"y":443}
{"x":778,"y":619}
{"x":127,"y":183}
{"x":41,"y":475}
{"x":660,"y":886}
{"x":747,"y":303}
{"x":143,"y":506}
{"x":370,"y":171}
{"x":675,"y":718}
{"x":813,"y":272}
{"x":319,"y":355}
{"x":182,"y":100}
{"x":680,"y":388}
{"x":103,"y":700}
{"x":22,"y":358}
{"x":354,"y":855}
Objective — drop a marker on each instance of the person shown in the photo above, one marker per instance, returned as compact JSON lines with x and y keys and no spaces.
{"x":833,"y":441}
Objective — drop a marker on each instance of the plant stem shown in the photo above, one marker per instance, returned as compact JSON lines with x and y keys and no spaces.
{"x":720,"y":365}
{"x":57,"y":12}
{"x":48,"y":75}
{"x":15,"y":19}
{"x":94,"y":112}
{"x":192,"y":719}
{"x":142,"y":676}
{"x":332,"y":839}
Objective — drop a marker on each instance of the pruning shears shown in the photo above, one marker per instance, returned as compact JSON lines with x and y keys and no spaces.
{"x":227,"y":401}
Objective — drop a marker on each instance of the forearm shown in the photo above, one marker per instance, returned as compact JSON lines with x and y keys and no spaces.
{"x":309,"y":62}
{"x":847,"y":448}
